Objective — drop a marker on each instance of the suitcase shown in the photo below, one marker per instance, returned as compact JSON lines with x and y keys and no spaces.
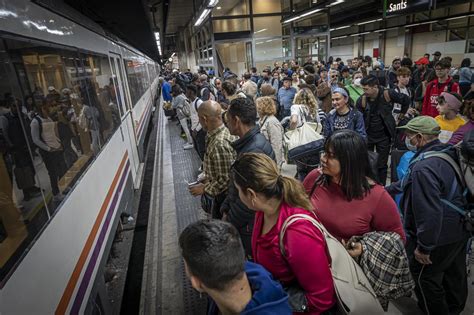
{"x":25,"y":178}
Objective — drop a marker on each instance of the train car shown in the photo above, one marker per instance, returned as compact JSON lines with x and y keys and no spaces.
{"x":74,"y":109}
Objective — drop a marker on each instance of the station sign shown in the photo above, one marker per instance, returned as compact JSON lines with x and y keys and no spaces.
{"x":399,"y":7}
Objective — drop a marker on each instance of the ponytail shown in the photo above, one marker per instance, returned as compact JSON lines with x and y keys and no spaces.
{"x":293,"y":193}
{"x":260,"y":173}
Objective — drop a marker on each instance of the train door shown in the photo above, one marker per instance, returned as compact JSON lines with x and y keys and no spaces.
{"x":127,"y":126}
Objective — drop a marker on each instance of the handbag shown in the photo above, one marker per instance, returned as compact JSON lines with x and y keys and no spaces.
{"x":354,"y":293}
{"x":302,"y":135}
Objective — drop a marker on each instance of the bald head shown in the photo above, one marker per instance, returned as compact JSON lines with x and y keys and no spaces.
{"x":210,"y":109}
{"x":210,"y":115}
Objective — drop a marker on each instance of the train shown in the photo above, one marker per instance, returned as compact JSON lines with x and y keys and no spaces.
{"x":75,"y":103}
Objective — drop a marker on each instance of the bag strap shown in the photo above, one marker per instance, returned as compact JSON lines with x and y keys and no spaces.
{"x":297,"y":217}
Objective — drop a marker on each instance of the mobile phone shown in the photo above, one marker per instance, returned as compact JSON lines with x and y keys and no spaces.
{"x":192,"y":183}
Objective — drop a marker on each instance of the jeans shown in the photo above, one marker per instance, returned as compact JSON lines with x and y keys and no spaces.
{"x":54,"y":162}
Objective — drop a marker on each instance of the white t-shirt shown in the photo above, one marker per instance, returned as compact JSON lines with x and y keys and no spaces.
{"x":195,"y":125}
{"x":302,"y":112}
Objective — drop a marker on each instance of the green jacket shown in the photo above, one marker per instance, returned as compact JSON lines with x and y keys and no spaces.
{"x":355,"y":92}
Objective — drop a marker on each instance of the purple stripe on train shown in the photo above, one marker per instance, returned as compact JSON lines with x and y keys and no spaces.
{"x":98,"y":246}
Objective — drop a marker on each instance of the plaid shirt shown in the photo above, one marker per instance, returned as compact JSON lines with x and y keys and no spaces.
{"x":385,"y":263}
{"x":218,"y":159}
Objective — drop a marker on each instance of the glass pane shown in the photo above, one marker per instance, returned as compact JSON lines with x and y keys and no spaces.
{"x":267,"y":26}
{"x":458,"y":34}
{"x":232,"y":25}
{"x":299,"y":5}
{"x":267,"y":6}
{"x":286,"y":6}
{"x":234,"y":56}
{"x":231,"y":7}
{"x":268,"y":51}
{"x":136,"y":77}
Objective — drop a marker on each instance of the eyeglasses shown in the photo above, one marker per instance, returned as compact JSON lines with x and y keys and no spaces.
{"x":327,"y":154}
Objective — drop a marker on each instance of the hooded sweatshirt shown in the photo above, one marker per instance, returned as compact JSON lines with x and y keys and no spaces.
{"x":268,"y":297}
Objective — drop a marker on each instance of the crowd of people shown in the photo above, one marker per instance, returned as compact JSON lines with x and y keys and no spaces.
{"x":408,"y":229}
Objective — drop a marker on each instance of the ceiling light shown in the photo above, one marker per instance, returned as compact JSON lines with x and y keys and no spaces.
{"x":339,"y":37}
{"x":218,"y":8}
{"x":309,"y":13}
{"x":340,"y":28}
{"x":335,"y":3}
{"x":212,"y":3}
{"x":259,"y":31}
{"x":292,"y":19}
{"x":202,"y":17}
{"x":371,"y":21}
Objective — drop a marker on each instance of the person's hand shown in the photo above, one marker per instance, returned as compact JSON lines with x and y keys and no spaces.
{"x":423,"y":259}
{"x":411,"y":111}
{"x":197,"y":190}
{"x":353,"y":248}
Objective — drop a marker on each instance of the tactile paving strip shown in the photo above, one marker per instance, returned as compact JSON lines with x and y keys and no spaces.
{"x":188,"y":208}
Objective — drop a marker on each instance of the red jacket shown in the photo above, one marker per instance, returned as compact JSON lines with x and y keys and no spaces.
{"x":343,"y":219}
{"x":306,"y":261}
{"x":433,"y":90}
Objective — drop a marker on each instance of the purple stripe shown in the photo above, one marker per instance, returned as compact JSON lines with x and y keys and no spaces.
{"x":95,"y":254}
{"x":142,"y":126}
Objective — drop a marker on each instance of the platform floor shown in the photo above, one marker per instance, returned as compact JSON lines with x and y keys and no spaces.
{"x":165,"y":288}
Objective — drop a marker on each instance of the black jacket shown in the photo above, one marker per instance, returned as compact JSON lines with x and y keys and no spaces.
{"x":385,"y":108}
{"x":428,"y":222}
{"x":237,"y":213}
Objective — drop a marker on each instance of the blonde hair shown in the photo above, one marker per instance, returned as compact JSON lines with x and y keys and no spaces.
{"x":266,"y":106}
{"x":306,"y":97}
{"x":260,"y":173}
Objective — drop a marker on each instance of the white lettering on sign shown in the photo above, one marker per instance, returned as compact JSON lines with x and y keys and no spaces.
{"x":397,"y":7}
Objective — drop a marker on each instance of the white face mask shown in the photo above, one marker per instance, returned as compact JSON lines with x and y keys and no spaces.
{"x":301,"y":72}
{"x":357,"y":81}
{"x":410,"y":146}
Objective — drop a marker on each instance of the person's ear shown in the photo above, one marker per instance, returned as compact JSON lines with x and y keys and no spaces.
{"x":196,"y":284}
{"x":252,"y":195}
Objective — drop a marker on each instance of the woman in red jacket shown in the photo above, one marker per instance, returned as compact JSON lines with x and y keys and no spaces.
{"x":304,"y":269}
{"x":345,"y":198}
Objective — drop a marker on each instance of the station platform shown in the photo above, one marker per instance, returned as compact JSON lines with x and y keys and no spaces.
{"x":165,"y":288}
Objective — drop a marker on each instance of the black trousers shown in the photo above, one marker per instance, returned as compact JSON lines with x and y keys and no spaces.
{"x":443,"y":284}
{"x":200,"y":142}
{"x":382,"y":147}
{"x":56,"y":167}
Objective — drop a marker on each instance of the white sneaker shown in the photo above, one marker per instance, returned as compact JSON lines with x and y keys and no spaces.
{"x":188,"y":146}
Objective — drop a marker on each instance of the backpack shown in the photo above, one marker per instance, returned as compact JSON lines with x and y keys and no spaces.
{"x":354,"y":293}
{"x":464,"y":169}
{"x":186,"y":109}
{"x":212,"y":96}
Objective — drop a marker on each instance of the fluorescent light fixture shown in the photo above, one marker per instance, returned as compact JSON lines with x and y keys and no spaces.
{"x":6,"y":13}
{"x":335,"y":3}
{"x":292,"y":19}
{"x":381,"y":30}
{"x":309,"y":13}
{"x":218,"y":8}
{"x":338,"y":37}
{"x":212,"y":3}
{"x":367,"y":22}
{"x":340,"y":28}
{"x":259,"y":31}
{"x":360,"y":34}
{"x":459,"y":17}
{"x":157,"y":35}
{"x":202,"y":17}
{"x":302,"y":15}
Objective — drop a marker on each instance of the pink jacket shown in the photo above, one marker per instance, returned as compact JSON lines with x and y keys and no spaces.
{"x":306,"y":261}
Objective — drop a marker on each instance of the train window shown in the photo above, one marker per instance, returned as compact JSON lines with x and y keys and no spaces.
{"x":137,"y":77}
{"x":58,"y":108}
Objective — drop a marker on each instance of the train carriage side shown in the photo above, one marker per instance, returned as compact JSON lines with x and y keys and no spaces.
{"x":71,"y":162}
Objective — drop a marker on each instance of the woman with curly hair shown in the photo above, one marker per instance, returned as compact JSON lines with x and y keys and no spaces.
{"x":305,"y":108}
{"x":270,"y":126}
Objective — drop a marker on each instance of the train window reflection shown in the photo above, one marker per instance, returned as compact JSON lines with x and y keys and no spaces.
{"x":137,"y":79}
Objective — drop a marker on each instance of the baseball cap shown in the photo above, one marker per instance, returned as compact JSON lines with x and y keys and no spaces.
{"x":422,"y":61}
{"x":437,"y":53}
{"x":425,"y":125}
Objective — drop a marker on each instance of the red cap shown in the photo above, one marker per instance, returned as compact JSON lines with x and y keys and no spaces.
{"x":422,"y":61}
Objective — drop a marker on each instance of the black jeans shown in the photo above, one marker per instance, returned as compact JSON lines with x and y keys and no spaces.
{"x":443,"y":284}
{"x":382,"y":147}
{"x":54,"y":162}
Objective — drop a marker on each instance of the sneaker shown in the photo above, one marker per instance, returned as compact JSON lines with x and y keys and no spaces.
{"x":188,"y":146}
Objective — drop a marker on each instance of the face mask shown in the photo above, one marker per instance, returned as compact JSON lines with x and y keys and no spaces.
{"x":410,"y":146}
{"x":357,"y":81}
{"x":302,"y":72}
